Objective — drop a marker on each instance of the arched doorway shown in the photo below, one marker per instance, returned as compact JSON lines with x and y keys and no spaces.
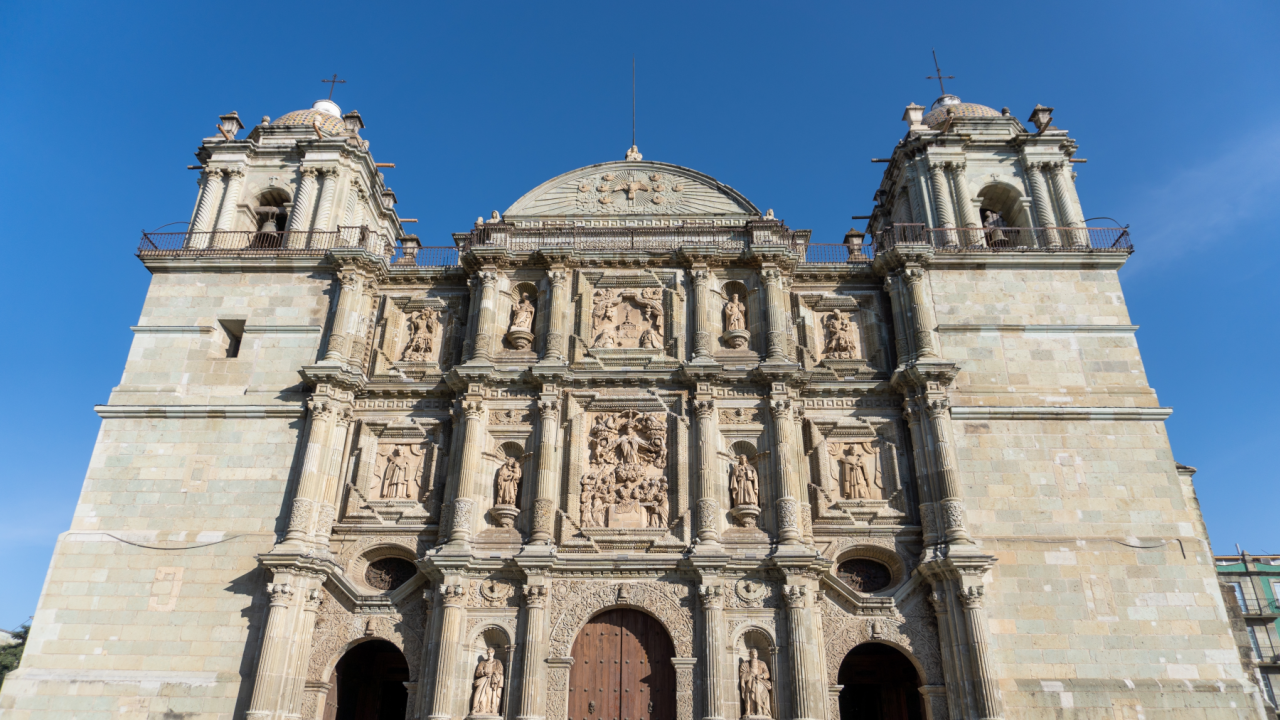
{"x":368,"y":684}
{"x":880,"y":683}
{"x":622,"y":669}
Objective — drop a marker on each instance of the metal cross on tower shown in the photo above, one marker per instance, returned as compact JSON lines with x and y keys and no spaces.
{"x":333,"y":84}
{"x":939,"y":77}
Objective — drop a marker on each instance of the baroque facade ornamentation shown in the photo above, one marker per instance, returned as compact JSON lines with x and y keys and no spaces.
{"x":626,"y":485}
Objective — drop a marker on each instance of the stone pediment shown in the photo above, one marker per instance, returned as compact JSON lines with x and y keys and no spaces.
{"x":631,"y":189}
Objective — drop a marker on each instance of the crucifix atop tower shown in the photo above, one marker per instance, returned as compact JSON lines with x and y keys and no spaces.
{"x":333,"y":84}
{"x":939,"y":77}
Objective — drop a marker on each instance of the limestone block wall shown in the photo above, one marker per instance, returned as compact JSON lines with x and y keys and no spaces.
{"x":1104,"y":596}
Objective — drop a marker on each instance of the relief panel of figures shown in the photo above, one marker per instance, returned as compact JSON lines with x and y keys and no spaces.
{"x":418,"y":334}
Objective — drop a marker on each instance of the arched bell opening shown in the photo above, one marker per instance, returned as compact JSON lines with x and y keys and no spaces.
{"x":622,"y":669}
{"x":368,"y":684}
{"x":879,"y":683}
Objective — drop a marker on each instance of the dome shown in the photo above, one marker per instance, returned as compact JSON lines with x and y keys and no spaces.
{"x":324,"y":112}
{"x":938,"y":113}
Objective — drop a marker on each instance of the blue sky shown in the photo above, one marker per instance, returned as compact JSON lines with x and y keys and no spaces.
{"x":1176,"y":105}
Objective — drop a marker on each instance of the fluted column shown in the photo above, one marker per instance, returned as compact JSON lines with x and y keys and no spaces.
{"x":486,"y":322}
{"x":300,"y":215}
{"x":533,"y":693}
{"x":557,"y":332}
{"x":339,"y":339}
{"x":803,"y":703}
{"x":324,"y":415}
{"x":451,"y":621}
{"x":984,"y":681}
{"x":712,"y":597}
{"x":464,"y":505}
{"x":301,"y":652}
{"x":892,"y":286}
{"x":920,"y":314}
{"x":942,"y":199}
{"x":948,"y":483}
{"x":328,"y":190}
{"x":946,"y":642}
{"x":930,"y":530}
{"x":968,"y":217}
{"x":919,"y":195}
{"x":779,"y":318}
{"x":708,"y":504}
{"x":227,"y":213}
{"x":544,"y":504}
{"x":701,"y":315}
{"x":1063,"y":191}
{"x":788,"y":505}
{"x":210,"y":192}
{"x":1043,"y":203}
{"x":277,"y":639}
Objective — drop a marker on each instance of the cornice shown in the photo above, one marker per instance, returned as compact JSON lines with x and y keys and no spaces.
{"x":117,"y":412}
{"x":973,"y":412}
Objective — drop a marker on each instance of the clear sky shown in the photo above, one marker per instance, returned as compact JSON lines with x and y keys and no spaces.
{"x":1176,"y":105}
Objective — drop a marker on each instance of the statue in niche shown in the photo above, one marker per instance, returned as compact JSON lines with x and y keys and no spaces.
{"x":422,"y":330}
{"x":735,"y":314}
{"x":859,"y":470}
{"x":842,"y":338}
{"x":625,"y":485}
{"x":486,"y":698}
{"x":755,"y":686}
{"x":508,"y":482}
{"x":522,"y":314}
{"x":744,"y":483}
{"x":398,"y":471}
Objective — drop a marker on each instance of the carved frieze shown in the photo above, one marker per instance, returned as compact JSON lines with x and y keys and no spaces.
{"x":625,"y":318}
{"x":626,"y":485}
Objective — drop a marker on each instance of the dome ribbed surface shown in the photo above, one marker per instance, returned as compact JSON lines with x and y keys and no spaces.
{"x":939,"y":115}
{"x":306,"y":118}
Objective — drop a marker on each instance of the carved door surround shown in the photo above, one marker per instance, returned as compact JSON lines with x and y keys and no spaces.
{"x":622,"y":669}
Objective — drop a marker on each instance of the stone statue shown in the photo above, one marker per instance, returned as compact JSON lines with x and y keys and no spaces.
{"x":744,"y":483}
{"x":422,"y":330}
{"x":755,"y":686}
{"x":633,"y":154}
{"x":522,"y":314}
{"x":842,"y":340}
{"x":398,"y":465}
{"x":735,"y":314}
{"x":486,"y":698}
{"x":509,"y":481}
{"x":859,"y":474}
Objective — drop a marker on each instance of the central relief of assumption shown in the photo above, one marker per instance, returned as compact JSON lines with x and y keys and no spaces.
{"x":625,"y":486}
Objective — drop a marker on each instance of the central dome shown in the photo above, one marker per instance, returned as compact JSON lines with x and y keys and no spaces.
{"x":938,"y":113}
{"x":324,"y":113}
{"x":632,"y":189}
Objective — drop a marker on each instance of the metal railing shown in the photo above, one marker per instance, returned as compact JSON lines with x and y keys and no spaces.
{"x":230,"y":243}
{"x":1259,"y":606}
{"x":838,"y":253}
{"x":1008,"y":239}
{"x":427,"y":256}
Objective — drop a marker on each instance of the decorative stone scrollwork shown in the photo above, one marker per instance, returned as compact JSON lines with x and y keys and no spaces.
{"x":788,"y":513}
{"x":495,"y":593}
{"x":462,"y":512}
{"x":544,"y":512}
{"x":628,"y":319}
{"x":752,"y":592}
{"x":708,"y":511}
{"x":911,"y":628}
{"x":625,"y":485}
{"x":740,"y":416}
{"x":578,"y":600}
{"x":953,"y":514}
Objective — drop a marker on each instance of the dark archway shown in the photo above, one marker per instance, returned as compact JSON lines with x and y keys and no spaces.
{"x":368,"y":684}
{"x":880,"y":683}
{"x":622,"y":669}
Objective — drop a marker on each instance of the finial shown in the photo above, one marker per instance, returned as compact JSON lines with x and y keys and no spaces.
{"x":1042,"y":116}
{"x":634,"y":154}
{"x":914,"y":116}
{"x":768,"y":214}
{"x":266,"y":120}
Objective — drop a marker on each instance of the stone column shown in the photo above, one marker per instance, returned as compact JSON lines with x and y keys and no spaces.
{"x":950,"y":664}
{"x":344,"y":318}
{"x":227,"y":213}
{"x":300,"y":215}
{"x":533,"y":693}
{"x":942,"y":199}
{"x":779,"y":321}
{"x":968,"y":218}
{"x":210,"y":191}
{"x":804,"y":705}
{"x":544,"y":504}
{"x":302,"y":652}
{"x":557,"y":332}
{"x":788,"y":506}
{"x":931,"y":533}
{"x":712,"y":597}
{"x":916,"y":196}
{"x":701,"y":320}
{"x":328,"y":189}
{"x":452,"y":620}
{"x":324,"y":415}
{"x":1063,"y":190}
{"x":464,"y":504}
{"x":948,"y":483}
{"x":984,"y":681}
{"x":892,"y":286}
{"x":1044,"y":206}
{"x":486,"y":323}
{"x":277,"y":639}
{"x":708,"y":503}
{"x":920,"y":315}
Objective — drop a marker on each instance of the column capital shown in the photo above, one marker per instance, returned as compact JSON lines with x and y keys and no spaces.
{"x":281,"y":593}
{"x":971,"y":597}
{"x":309,"y":171}
{"x":780,"y":408}
{"x":473,"y":409}
{"x":453,"y":595}
{"x":701,"y":276}
{"x":704,"y":408}
{"x":793,"y":596}
{"x":314,"y":598}
{"x":487,"y":278}
{"x":549,"y":407}
{"x":937,"y":407}
{"x":771,"y":275}
{"x":535,"y":596}
{"x":557,"y":277}
{"x":712,"y":596}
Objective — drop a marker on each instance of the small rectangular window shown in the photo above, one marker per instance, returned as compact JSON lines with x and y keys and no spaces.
{"x":1253,"y":638}
{"x":235,"y":332}
{"x":1266,"y":686}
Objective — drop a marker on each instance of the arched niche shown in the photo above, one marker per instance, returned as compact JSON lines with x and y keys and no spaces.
{"x":1008,"y":200}
{"x":879,"y":680}
{"x":520,"y":332}
{"x":747,"y":677}
{"x":368,"y":681}
{"x":890,"y":561}
{"x":270,"y":216}
{"x":739,"y":337}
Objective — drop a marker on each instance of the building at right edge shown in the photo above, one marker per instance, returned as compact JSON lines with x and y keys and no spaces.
{"x":1253,"y":582}
{"x":1056,"y":503}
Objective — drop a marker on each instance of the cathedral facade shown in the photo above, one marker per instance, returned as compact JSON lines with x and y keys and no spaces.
{"x":635,"y":450}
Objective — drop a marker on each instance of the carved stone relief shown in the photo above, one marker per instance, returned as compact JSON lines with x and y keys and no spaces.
{"x":337,"y":628}
{"x":622,"y":318}
{"x":840,"y":337}
{"x":626,"y":485}
{"x":856,"y":469}
{"x":422,"y":327}
{"x":740,"y":416}
{"x":911,"y":627}
{"x":398,"y":471}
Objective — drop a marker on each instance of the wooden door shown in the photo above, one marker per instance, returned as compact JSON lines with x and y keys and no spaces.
{"x":622,"y":669}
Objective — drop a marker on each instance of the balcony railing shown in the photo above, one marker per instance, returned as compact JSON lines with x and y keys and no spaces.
{"x":1008,"y":239}
{"x":837,"y":253}
{"x":245,"y":243}
{"x":1259,"y":606}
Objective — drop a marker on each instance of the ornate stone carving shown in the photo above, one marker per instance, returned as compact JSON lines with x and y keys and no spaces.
{"x":627,"y":319}
{"x":520,"y":329}
{"x":857,"y":469}
{"x":337,"y":629}
{"x":752,"y":592}
{"x":495,"y":593}
{"x":455,"y":595}
{"x":388,"y":573}
{"x":793,"y":596}
{"x":398,"y":471}
{"x":509,"y":417}
{"x":578,"y":600}
{"x":535,"y":596}
{"x":971,"y":597}
{"x":911,"y":627}
{"x":755,"y":686}
{"x":711,"y":596}
{"x":841,"y":341}
{"x":625,"y":485}
{"x":423,"y":325}
{"x":544,"y":513}
{"x":486,"y":695}
{"x":740,"y":416}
